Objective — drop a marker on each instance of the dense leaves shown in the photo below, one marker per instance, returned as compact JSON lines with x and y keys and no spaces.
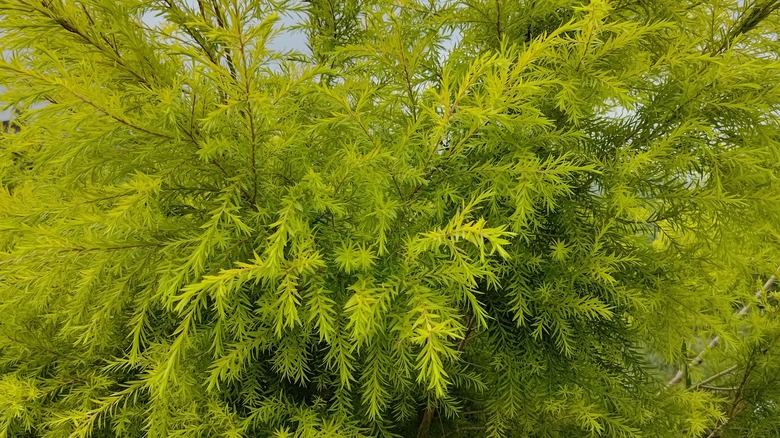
{"x":468,"y":218}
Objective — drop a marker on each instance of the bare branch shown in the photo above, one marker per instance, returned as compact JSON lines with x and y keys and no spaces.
{"x":716,"y":340}
{"x":714,"y":377}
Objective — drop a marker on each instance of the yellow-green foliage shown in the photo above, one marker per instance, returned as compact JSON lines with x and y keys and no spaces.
{"x":506,"y":218}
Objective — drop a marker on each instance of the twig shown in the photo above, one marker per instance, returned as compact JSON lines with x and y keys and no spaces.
{"x":715,"y":376}
{"x":719,"y":388}
{"x":716,"y":340}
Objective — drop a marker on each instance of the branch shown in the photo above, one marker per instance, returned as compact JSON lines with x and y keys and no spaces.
{"x":715,"y":376}
{"x":84,"y":99}
{"x":715,"y":431}
{"x":197,"y":36}
{"x":425,"y":424}
{"x":719,"y":388}
{"x":82,"y":249}
{"x":221,"y":24}
{"x":748,"y":21}
{"x":249,"y":113}
{"x":469,"y":329}
{"x":735,"y":408}
{"x":113,"y":53}
{"x":716,"y":340}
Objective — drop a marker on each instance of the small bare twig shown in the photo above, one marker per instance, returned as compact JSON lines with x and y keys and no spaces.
{"x":714,"y":377}
{"x":716,"y":340}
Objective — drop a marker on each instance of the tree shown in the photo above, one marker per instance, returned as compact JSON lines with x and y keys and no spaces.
{"x":526,"y":234}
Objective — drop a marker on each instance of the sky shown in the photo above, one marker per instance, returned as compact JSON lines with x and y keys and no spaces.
{"x":284,"y":41}
{"x":5,"y":114}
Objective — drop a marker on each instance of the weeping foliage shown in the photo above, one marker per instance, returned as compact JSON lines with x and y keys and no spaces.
{"x":505,"y":218}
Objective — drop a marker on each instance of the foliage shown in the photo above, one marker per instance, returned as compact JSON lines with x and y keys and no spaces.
{"x":468,"y":218}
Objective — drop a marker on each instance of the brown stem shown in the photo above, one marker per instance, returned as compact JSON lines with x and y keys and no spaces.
{"x":469,"y":329}
{"x":221,"y":23}
{"x":191,"y":31}
{"x":427,"y":418}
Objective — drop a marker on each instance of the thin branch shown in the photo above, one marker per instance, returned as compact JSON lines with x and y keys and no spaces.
{"x":425,"y":423}
{"x":87,"y":101}
{"x":748,"y":20}
{"x":114,"y":54}
{"x":735,"y":404}
{"x":716,"y":340}
{"x":221,"y":23}
{"x":719,"y":388}
{"x":469,"y":329}
{"x":715,"y":376}
{"x":715,"y":431}
{"x":197,"y":36}
{"x":249,"y":113}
